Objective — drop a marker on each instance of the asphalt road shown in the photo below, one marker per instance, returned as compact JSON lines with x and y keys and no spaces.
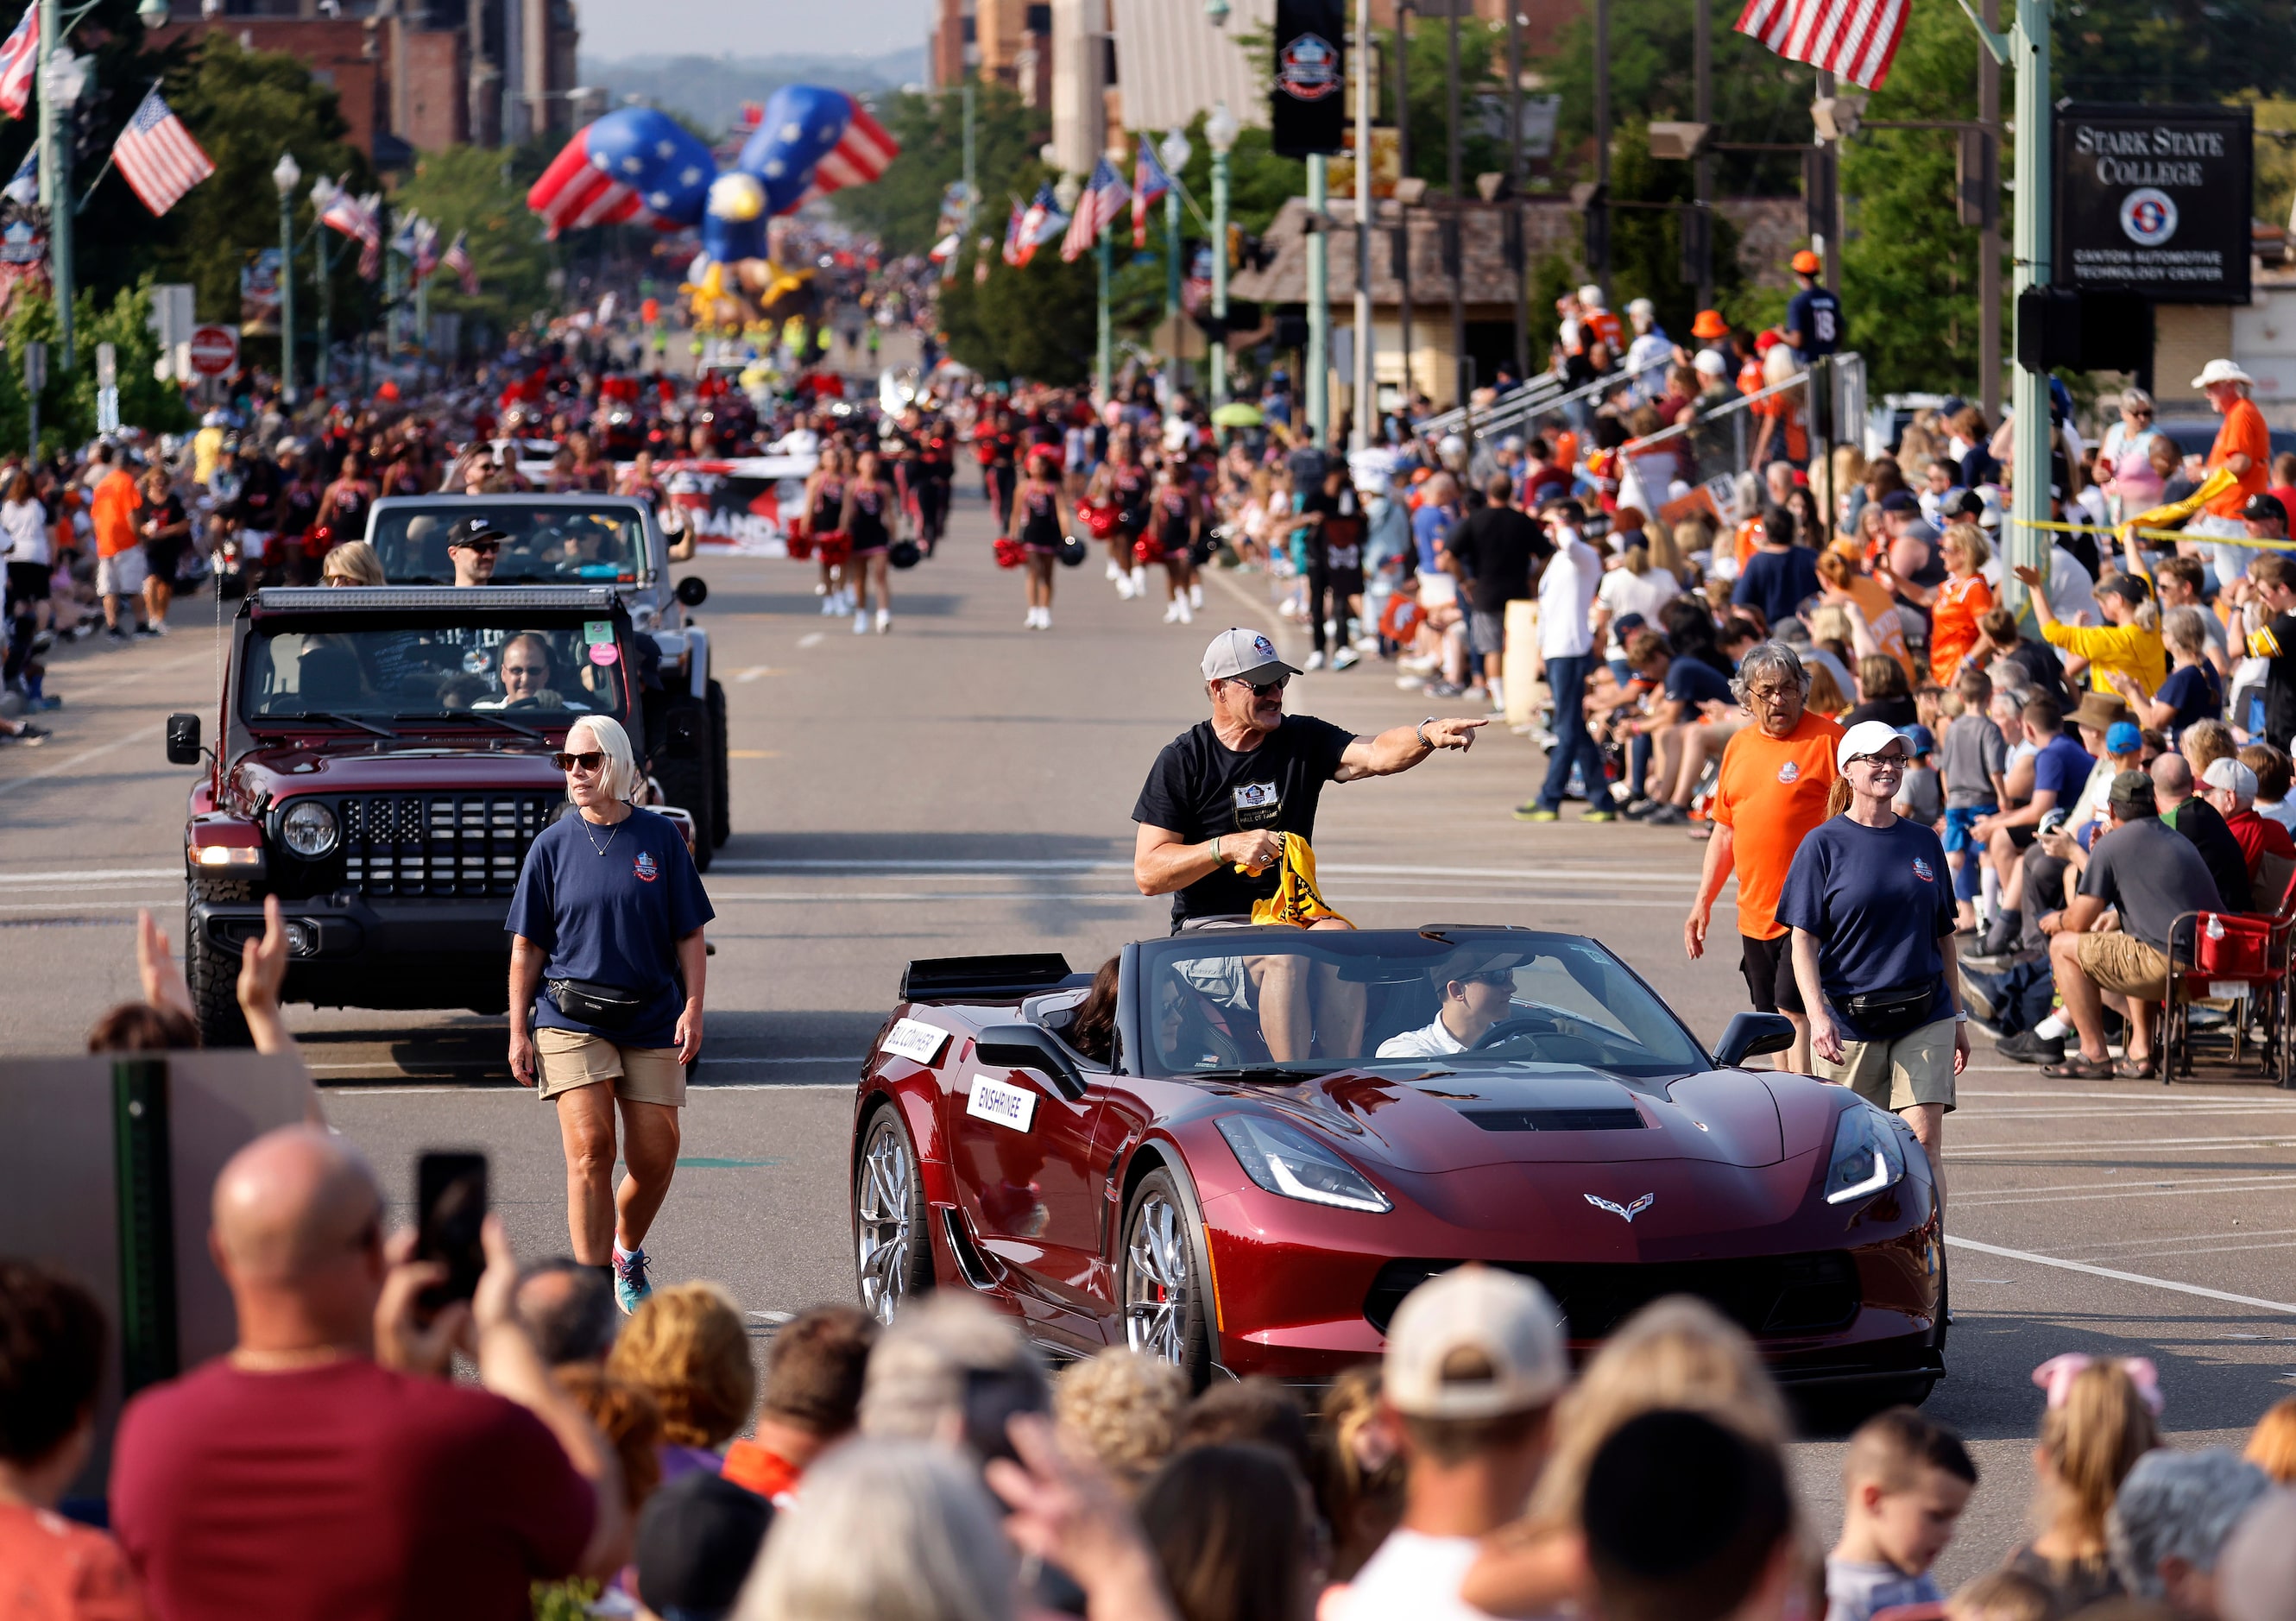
{"x":964,"y":785}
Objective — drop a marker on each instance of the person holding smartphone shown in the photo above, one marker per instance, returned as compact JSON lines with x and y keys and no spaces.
{"x":606,"y":973}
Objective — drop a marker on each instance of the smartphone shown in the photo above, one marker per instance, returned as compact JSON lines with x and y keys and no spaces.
{"x":450,"y":1190}
{"x":992,"y":1396}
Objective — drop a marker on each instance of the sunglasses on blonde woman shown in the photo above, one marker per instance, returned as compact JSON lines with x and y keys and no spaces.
{"x":588,"y":760}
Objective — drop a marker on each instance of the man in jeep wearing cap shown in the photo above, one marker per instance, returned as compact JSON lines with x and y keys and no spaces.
{"x":1222,"y":794}
{"x":472,"y":545}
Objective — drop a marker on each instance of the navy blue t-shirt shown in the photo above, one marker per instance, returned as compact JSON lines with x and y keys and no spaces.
{"x":614,"y":918}
{"x":1778,"y":582}
{"x":2063,"y":767}
{"x":1693,"y":682}
{"x":2197,"y":693}
{"x":1815,"y":315}
{"x":1878,"y":899}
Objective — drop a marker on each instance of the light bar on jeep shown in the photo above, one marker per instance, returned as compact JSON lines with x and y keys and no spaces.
{"x":337,"y":599}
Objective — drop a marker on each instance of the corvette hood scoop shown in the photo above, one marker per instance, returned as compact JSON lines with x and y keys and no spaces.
{"x":1442,"y":1120}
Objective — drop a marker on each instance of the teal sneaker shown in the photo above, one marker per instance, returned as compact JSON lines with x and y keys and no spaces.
{"x":631,"y":1284}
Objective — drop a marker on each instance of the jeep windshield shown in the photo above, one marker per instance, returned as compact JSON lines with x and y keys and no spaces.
{"x":372,"y":668}
{"x":1257,"y":1003}
{"x":545,"y":544}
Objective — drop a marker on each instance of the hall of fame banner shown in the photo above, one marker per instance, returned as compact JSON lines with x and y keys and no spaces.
{"x":742,"y":506}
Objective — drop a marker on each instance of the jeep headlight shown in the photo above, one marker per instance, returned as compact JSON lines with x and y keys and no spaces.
{"x":308,"y":828}
{"x":1288,"y":1162}
{"x":1867,"y":1156}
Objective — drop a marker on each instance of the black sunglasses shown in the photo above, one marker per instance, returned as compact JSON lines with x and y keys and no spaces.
{"x":1276,"y":685}
{"x":474,"y":545}
{"x":588,"y":760}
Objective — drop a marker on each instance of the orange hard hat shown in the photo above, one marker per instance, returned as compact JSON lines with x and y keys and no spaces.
{"x":1709,"y":324}
{"x":1805,"y":263}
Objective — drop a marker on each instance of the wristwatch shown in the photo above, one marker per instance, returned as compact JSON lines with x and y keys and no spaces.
{"x":1424,"y":741}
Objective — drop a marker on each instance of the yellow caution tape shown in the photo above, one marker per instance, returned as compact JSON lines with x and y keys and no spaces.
{"x":2098,"y":529}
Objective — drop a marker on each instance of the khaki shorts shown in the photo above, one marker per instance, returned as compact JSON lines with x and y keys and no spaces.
{"x":2124,"y":964}
{"x":571,"y":1059}
{"x":122,"y":573}
{"x":1914,"y":1067}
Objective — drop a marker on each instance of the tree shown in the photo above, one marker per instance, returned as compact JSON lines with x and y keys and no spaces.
{"x":1646,"y":244}
{"x":2161,"y":50}
{"x":471,"y":190}
{"x":67,"y":402}
{"x":1037,"y":321}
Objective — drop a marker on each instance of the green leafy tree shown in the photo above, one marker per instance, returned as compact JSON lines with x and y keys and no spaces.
{"x":1482,"y":72}
{"x":2163,"y":51}
{"x":67,"y":402}
{"x":480,"y":192}
{"x":1038,"y":320}
{"x":1646,"y":244}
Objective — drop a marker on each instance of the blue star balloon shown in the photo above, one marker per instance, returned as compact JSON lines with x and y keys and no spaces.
{"x":801,"y":124}
{"x":657,"y":157}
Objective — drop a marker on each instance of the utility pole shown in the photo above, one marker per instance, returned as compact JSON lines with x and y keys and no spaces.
{"x":60,"y":79}
{"x":1104,"y":352}
{"x":1701,"y":167}
{"x":2030,"y":43}
{"x":1602,"y":272}
{"x":1220,"y":131}
{"x":966,"y":98}
{"x":1364,"y":386}
{"x":1514,"y":254}
{"x":1319,"y":303}
{"x":1455,"y":256}
{"x":1828,"y":203}
{"x":1988,"y":233}
{"x":1403,"y":191}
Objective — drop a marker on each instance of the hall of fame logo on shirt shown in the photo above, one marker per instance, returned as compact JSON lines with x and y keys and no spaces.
{"x":1921,"y":870}
{"x":1257,"y":802}
{"x":646,"y":867}
{"x":1789,"y":773}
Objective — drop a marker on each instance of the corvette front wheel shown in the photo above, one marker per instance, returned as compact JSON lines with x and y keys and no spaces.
{"x":892,"y":1252}
{"x":1166,"y":1299}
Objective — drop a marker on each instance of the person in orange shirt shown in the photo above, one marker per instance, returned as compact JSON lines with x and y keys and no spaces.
{"x":120,"y":564}
{"x":811,"y":1400}
{"x":1772,"y":790}
{"x":2243,"y":448}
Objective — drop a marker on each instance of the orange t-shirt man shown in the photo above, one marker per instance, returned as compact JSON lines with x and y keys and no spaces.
{"x":2242,"y":433}
{"x":59,"y":1571}
{"x":1770,"y":793}
{"x":114,"y":512}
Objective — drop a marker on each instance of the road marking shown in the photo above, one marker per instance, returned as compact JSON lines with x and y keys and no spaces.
{"x":496,"y":1063}
{"x":838,"y":897}
{"x":2119,"y":1276}
{"x":142,"y":736}
{"x":753,"y":754}
{"x":387,"y":1090}
{"x":2140,"y":1189}
{"x":815,"y":639}
{"x":755,"y":670}
{"x":65,"y":908}
{"x":129,"y":678}
{"x":51,"y":881}
{"x":1558,"y":872}
{"x":1961,"y":1151}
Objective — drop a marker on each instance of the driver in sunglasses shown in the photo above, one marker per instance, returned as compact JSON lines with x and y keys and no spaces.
{"x":472,"y":545}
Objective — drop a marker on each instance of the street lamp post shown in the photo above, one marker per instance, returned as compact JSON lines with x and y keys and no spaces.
{"x":1174,"y":152}
{"x":323,"y":369}
{"x":63,"y":77}
{"x":287,"y":175}
{"x":1220,"y":131}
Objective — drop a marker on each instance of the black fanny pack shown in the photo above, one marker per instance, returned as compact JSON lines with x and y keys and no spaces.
{"x":1885,"y":1014}
{"x":609,"y":1007}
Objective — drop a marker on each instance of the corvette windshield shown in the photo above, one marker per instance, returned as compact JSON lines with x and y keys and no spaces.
{"x":1310,"y":1001}
{"x":545,"y":543}
{"x":381,"y":667}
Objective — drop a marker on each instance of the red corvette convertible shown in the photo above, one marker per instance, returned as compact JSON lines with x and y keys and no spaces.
{"x":1243,"y":1147}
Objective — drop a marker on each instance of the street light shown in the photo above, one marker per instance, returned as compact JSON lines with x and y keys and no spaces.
{"x":152,"y":14}
{"x":323,"y":192}
{"x":286,"y":174}
{"x":1220,"y":131}
{"x":63,"y":80}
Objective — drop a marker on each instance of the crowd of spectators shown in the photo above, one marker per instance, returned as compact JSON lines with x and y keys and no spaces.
{"x":335,"y":1464}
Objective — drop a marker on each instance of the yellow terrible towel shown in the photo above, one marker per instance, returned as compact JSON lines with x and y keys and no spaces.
{"x":1297,"y":900}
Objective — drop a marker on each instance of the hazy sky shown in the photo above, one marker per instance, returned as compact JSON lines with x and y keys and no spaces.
{"x":613,"y":28}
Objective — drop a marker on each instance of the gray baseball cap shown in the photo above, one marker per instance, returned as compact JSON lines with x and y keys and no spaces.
{"x":1243,"y":655}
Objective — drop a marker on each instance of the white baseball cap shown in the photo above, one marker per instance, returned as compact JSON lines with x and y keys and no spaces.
{"x":1474,"y":1343}
{"x":1243,"y":655}
{"x":1711,"y":363}
{"x":2229,"y":773}
{"x":1867,"y":737}
{"x":1642,"y":306}
{"x":1591,"y":294}
{"x":2220,"y":371}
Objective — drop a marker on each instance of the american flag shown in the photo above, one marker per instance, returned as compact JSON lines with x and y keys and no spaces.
{"x":356,"y":218}
{"x":1039,"y":225}
{"x":1851,"y":39}
{"x":862,"y":154}
{"x":157,"y":157}
{"x":426,"y":249}
{"x":19,"y":55}
{"x":1102,"y":200}
{"x":457,"y":259}
{"x":1012,"y":233}
{"x":1149,"y":182}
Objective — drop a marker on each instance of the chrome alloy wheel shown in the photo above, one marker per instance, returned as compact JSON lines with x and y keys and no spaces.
{"x":881,"y":1195}
{"x":1156,"y":1280}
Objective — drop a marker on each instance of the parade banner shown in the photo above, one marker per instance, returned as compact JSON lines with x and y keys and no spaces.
{"x":2154,"y":200}
{"x":1307,"y":109}
{"x":743,"y":506}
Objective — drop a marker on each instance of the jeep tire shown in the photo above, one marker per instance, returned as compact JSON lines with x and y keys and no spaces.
{"x":682,"y":764}
{"x":721,"y":799}
{"x":212,"y":974}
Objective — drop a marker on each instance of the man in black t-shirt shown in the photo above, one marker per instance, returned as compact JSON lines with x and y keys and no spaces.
{"x":1336,"y":526}
{"x":1222,"y":794}
{"x":1493,"y":551}
{"x":2271,"y":605}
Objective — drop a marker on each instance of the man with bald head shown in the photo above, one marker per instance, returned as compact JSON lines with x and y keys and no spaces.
{"x":326,"y":1467}
{"x":2203,"y":826}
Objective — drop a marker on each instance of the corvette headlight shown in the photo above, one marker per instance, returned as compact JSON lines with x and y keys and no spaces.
{"x":1286,"y":1161}
{"x":308,"y":828}
{"x":1867,"y":1156}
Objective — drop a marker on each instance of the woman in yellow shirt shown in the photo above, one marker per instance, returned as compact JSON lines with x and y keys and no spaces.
{"x":2129,"y":641}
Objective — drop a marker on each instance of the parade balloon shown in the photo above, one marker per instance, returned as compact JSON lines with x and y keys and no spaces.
{"x":656,"y":156}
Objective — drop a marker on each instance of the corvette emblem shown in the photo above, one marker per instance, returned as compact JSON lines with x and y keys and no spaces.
{"x":1625,"y":1213}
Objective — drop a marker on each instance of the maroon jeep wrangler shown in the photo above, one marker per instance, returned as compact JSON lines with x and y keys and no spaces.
{"x":384,"y":761}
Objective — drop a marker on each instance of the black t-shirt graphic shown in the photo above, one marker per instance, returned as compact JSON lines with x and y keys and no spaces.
{"x":1199,"y":789}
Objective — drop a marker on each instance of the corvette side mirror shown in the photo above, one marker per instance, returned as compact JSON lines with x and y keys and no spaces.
{"x":1024,"y":1046}
{"x":1752,"y":1035}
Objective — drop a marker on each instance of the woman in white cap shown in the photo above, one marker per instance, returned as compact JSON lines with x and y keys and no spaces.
{"x":1872,"y":910}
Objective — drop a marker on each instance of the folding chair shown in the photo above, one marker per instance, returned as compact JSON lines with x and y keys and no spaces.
{"x":2234,"y":955}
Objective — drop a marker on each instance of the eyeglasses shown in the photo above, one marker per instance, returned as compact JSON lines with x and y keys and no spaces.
{"x":2137,"y":410}
{"x":1276,"y":685}
{"x":1772,"y":694}
{"x":488,"y":546}
{"x":589,"y":761}
{"x":1897,"y":759}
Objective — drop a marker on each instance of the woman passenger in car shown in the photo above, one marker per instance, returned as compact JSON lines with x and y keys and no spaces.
{"x":1092,"y":1030}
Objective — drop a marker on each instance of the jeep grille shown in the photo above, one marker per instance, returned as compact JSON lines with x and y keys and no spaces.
{"x":439,"y":844}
